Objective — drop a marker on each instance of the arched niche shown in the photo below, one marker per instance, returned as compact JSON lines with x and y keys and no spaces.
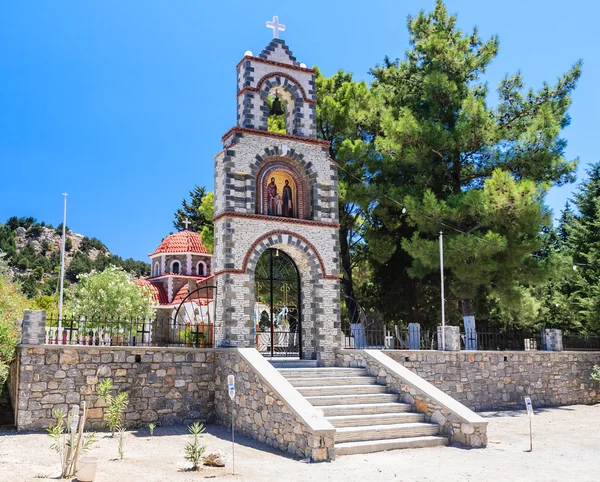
{"x":290,"y":93}
{"x":290,"y":198}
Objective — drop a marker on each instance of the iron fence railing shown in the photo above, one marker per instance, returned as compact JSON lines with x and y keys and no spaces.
{"x":496,"y":340}
{"x":581,"y":343}
{"x":399,"y":339}
{"x":96,"y":331}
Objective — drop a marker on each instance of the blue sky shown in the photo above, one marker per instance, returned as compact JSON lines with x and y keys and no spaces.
{"x":122,"y":104}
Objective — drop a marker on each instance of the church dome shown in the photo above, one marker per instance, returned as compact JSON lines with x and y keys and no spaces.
{"x":181,"y":242}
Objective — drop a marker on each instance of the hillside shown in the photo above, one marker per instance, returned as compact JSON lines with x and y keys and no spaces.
{"x":33,"y":253}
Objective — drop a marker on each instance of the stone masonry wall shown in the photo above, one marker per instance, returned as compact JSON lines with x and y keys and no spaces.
{"x":261,"y":415}
{"x":165,"y":385}
{"x":486,"y":380}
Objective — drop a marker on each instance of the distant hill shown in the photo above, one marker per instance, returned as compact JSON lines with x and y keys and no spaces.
{"x":33,"y":253}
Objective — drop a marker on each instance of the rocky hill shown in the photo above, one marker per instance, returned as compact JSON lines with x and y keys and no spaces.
{"x":33,"y":252}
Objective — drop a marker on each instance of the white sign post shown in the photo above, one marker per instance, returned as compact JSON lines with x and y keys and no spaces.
{"x":231,"y":390}
{"x":529,"y":408}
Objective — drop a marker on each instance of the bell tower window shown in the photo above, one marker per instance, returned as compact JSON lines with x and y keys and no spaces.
{"x":175,"y":267}
{"x":276,"y":121}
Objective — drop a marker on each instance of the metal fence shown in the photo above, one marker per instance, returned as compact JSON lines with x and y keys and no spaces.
{"x":83,"y":331}
{"x":426,"y":339}
{"x":581,"y":343}
{"x":496,"y":340}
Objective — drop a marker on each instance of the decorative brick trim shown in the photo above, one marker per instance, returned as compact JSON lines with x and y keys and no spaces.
{"x":278,"y":74}
{"x":264,"y":217}
{"x":275,"y":240}
{"x":278,"y":64}
{"x":247,"y":130}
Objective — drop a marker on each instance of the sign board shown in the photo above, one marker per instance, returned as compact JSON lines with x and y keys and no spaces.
{"x":231,"y":386}
{"x":529,"y":406}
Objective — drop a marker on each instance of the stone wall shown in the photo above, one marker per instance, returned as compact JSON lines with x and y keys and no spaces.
{"x":165,"y":385}
{"x":267,"y":407}
{"x":485,"y":380}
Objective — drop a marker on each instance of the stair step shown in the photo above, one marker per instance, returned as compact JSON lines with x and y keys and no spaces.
{"x":381,"y":432}
{"x":366,"y":408}
{"x":322,"y":372}
{"x":352,"y":399}
{"x":375,"y":419}
{"x":342,"y":390}
{"x":369,"y":446}
{"x":294,"y":363}
{"x":331,"y":381}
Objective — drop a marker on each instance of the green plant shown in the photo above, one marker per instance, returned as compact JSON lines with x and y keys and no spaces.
{"x":151,"y":427}
{"x":122,"y":442}
{"x":115,"y":405}
{"x":12,"y":304}
{"x":193,"y":450}
{"x":68,"y":438}
{"x":596,"y":373}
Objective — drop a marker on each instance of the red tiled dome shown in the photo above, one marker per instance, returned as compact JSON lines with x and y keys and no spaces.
{"x":181,"y":242}
{"x":158,"y":293}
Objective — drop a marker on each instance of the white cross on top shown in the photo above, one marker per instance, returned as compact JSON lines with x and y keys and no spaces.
{"x":276,"y":26}
{"x":186,"y":222}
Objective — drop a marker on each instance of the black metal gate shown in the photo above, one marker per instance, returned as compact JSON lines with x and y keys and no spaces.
{"x":193,"y":323}
{"x":277,"y":311}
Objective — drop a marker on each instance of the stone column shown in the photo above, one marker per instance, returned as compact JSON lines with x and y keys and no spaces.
{"x":414,"y":336}
{"x":552,"y":339}
{"x":452,"y":335}
{"x":33,"y":331}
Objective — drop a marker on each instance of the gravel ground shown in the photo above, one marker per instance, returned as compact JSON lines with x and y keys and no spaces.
{"x":566,"y":447}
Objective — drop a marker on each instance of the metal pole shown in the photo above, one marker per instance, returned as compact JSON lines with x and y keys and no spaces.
{"x":62,"y":264}
{"x":232,"y":438}
{"x":530,"y":436}
{"x":442,"y":279}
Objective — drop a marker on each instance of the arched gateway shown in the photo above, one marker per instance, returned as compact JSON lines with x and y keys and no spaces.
{"x":276,"y":197}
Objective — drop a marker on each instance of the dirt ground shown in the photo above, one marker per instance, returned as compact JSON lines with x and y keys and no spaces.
{"x":566,"y":447}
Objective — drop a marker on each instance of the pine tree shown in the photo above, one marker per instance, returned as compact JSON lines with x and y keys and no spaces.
{"x":439,"y":137}
{"x":191,"y":211}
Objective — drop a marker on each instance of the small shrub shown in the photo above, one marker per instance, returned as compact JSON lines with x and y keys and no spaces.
{"x":67,"y":441}
{"x":151,"y":427}
{"x":596,"y":373}
{"x":193,"y":450}
{"x":115,"y":405}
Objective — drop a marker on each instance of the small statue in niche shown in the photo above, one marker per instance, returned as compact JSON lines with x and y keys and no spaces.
{"x":271,"y":195}
{"x":288,"y":207}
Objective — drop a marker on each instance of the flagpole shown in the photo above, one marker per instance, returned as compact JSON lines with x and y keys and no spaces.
{"x":442,"y":279}
{"x":62,"y":263}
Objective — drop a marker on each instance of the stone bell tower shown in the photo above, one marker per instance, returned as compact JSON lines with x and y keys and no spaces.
{"x":277,"y":191}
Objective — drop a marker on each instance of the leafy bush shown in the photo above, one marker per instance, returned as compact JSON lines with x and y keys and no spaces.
{"x":12,"y":304}
{"x":596,"y":373}
{"x":193,"y":450}
{"x":112,"y":295}
{"x":92,"y":243}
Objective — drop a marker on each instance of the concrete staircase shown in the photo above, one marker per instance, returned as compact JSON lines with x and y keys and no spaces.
{"x":366,"y":417}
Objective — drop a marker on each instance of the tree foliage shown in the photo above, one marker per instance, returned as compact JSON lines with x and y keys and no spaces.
{"x":112,"y":295}
{"x":191,"y":210}
{"x":439,"y":136}
{"x":12,"y":304}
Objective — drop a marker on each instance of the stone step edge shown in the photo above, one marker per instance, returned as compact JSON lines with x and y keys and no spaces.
{"x":372,"y":416}
{"x":392,"y":426}
{"x":343,"y":387}
{"x":359,"y":396}
{"x":366,"y":405}
{"x":424,"y":441}
{"x":304,"y":379}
